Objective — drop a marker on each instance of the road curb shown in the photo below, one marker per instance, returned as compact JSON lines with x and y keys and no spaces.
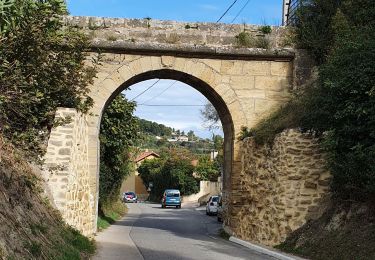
{"x":261,"y":249}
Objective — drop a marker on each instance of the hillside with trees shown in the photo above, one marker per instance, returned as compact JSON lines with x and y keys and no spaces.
{"x":156,"y":129}
{"x":155,"y":136}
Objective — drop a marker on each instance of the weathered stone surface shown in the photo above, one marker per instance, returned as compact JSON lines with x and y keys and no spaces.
{"x":278,"y":195}
{"x":71,"y":172}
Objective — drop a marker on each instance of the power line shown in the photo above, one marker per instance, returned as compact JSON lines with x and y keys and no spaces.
{"x":248,"y":1}
{"x":145,"y":90}
{"x":226,"y":11}
{"x":160,"y":93}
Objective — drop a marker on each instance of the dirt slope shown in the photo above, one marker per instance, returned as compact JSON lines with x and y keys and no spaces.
{"x":29,"y":227}
{"x":346,"y":231}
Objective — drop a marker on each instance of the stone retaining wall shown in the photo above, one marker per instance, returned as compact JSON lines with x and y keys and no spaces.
{"x":66,"y":171}
{"x":282,"y":187}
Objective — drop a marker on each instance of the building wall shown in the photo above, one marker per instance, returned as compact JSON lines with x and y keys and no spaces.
{"x":129,"y":183}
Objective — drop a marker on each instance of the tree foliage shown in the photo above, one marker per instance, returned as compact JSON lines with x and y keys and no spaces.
{"x":210,"y":116}
{"x":118,"y":134}
{"x":174,"y":170}
{"x":207,"y":170}
{"x":154,"y":128}
{"x":41,"y":68}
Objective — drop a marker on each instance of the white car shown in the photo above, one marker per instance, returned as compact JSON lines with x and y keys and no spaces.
{"x":129,"y":197}
{"x":211,"y":206}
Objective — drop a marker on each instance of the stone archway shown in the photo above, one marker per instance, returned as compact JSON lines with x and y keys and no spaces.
{"x":241,"y":90}
{"x":194,"y":73}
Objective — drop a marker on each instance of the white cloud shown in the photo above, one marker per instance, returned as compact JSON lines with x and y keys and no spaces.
{"x":183,"y":118}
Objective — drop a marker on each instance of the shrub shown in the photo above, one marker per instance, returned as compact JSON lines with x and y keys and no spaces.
{"x":266,"y":29}
{"x":245,"y":39}
{"x":118,"y":133}
{"x":51,"y":75}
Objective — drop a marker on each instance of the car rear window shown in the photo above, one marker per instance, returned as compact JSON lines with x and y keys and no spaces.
{"x":173,"y":195}
{"x":215,"y":199}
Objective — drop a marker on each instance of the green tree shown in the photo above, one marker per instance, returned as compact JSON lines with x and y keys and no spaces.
{"x":210,"y":116}
{"x":174,"y":170}
{"x":118,"y":133}
{"x":41,"y":68}
{"x":207,"y":170}
{"x":343,"y":103}
{"x":191,"y":135}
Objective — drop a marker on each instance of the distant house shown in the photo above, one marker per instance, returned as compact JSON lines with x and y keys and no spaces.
{"x":134,"y":182}
{"x":183,"y":138}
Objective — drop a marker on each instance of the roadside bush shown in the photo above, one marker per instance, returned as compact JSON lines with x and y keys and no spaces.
{"x":41,"y":68}
{"x":118,"y":133}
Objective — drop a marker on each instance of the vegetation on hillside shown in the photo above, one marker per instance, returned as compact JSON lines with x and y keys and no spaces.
{"x":30,"y":228}
{"x":153,"y":128}
{"x":41,"y":68}
{"x":340,"y":105}
{"x":345,"y":231}
{"x":118,"y":134}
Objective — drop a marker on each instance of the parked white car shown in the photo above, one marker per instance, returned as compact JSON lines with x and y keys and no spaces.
{"x":211,"y":206}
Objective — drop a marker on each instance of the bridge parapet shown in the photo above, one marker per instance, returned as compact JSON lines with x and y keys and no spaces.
{"x":209,"y":37}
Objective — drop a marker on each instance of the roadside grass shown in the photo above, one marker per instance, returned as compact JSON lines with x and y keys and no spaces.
{"x":110,"y":214}
{"x":76,"y":245}
{"x":223,"y":234}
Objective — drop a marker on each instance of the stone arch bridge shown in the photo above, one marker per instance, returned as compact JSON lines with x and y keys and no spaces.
{"x":244,"y":85}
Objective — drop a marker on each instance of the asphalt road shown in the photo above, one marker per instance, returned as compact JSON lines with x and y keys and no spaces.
{"x":150,"y":232}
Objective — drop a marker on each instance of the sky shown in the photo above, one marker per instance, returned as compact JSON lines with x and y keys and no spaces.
{"x":256,"y":11}
{"x":170,"y":92}
{"x":183,"y":118}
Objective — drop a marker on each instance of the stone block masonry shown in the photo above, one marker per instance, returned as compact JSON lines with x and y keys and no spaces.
{"x":282,"y":186}
{"x":149,"y":30}
{"x":244,"y":85}
{"x":66,"y":171}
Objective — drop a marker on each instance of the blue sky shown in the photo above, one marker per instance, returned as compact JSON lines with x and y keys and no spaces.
{"x":256,"y":12}
{"x":183,"y":118}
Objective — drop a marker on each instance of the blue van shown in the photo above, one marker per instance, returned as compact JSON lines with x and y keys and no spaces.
{"x":171,"y":198}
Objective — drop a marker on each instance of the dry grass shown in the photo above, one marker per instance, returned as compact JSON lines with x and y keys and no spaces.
{"x":30,"y":227}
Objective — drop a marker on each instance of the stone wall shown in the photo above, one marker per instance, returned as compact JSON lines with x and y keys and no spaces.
{"x":149,"y":30}
{"x":282,"y":186}
{"x":206,"y":189}
{"x":66,"y":171}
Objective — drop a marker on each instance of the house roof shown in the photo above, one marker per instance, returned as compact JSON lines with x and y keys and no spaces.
{"x":144,"y":155}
